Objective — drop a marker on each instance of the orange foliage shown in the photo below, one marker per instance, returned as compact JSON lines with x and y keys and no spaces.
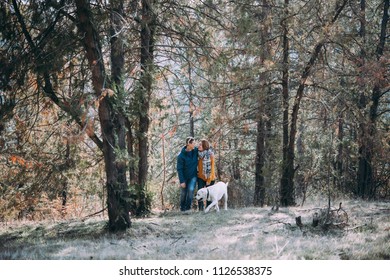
{"x":17,"y":160}
{"x":172,"y":132}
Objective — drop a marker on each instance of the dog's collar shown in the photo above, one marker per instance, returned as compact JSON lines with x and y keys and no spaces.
{"x":208,"y":194}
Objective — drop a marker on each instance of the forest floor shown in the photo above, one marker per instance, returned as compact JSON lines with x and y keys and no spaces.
{"x":246,"y":233}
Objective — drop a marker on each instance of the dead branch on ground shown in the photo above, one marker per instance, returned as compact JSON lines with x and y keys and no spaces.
{"x":325,"y":219}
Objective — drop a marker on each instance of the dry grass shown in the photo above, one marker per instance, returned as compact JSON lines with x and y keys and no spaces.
{"x":246,"y":233}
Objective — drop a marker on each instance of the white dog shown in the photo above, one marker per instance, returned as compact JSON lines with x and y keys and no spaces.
{"x":214,"y":193}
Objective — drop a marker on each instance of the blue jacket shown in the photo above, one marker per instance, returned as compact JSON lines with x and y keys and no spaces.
{"x":187,"y":165}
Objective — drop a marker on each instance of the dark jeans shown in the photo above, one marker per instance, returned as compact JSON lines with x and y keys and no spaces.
{"x":187,"y":194}
{"x":202,"y":184}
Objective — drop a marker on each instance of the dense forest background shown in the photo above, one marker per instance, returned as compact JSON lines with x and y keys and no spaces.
{"x":97,"y":98}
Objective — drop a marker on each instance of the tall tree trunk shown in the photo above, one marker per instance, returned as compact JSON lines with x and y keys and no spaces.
{"x":148,"y":25}
{"x":365,"y":174}
{"x":111,"y":122}
{"x":259,"y":196}
{"x":285,"y":184}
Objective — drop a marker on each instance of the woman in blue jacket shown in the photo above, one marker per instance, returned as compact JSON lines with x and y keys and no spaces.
{"x":187,"y":169}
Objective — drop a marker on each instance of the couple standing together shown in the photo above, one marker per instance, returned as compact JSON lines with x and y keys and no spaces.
{"x":195,"y":164}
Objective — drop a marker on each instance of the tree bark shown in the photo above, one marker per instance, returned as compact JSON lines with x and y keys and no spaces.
{"x":286,"y":187}
{"x":365,"y":174}
{"x":147,"y":35}
{"x":259,"y":196}
{"x":111,"y":124}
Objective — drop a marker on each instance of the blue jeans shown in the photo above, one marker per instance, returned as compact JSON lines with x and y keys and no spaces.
{"x":187,"y":194}
{"x":202,"y":184}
